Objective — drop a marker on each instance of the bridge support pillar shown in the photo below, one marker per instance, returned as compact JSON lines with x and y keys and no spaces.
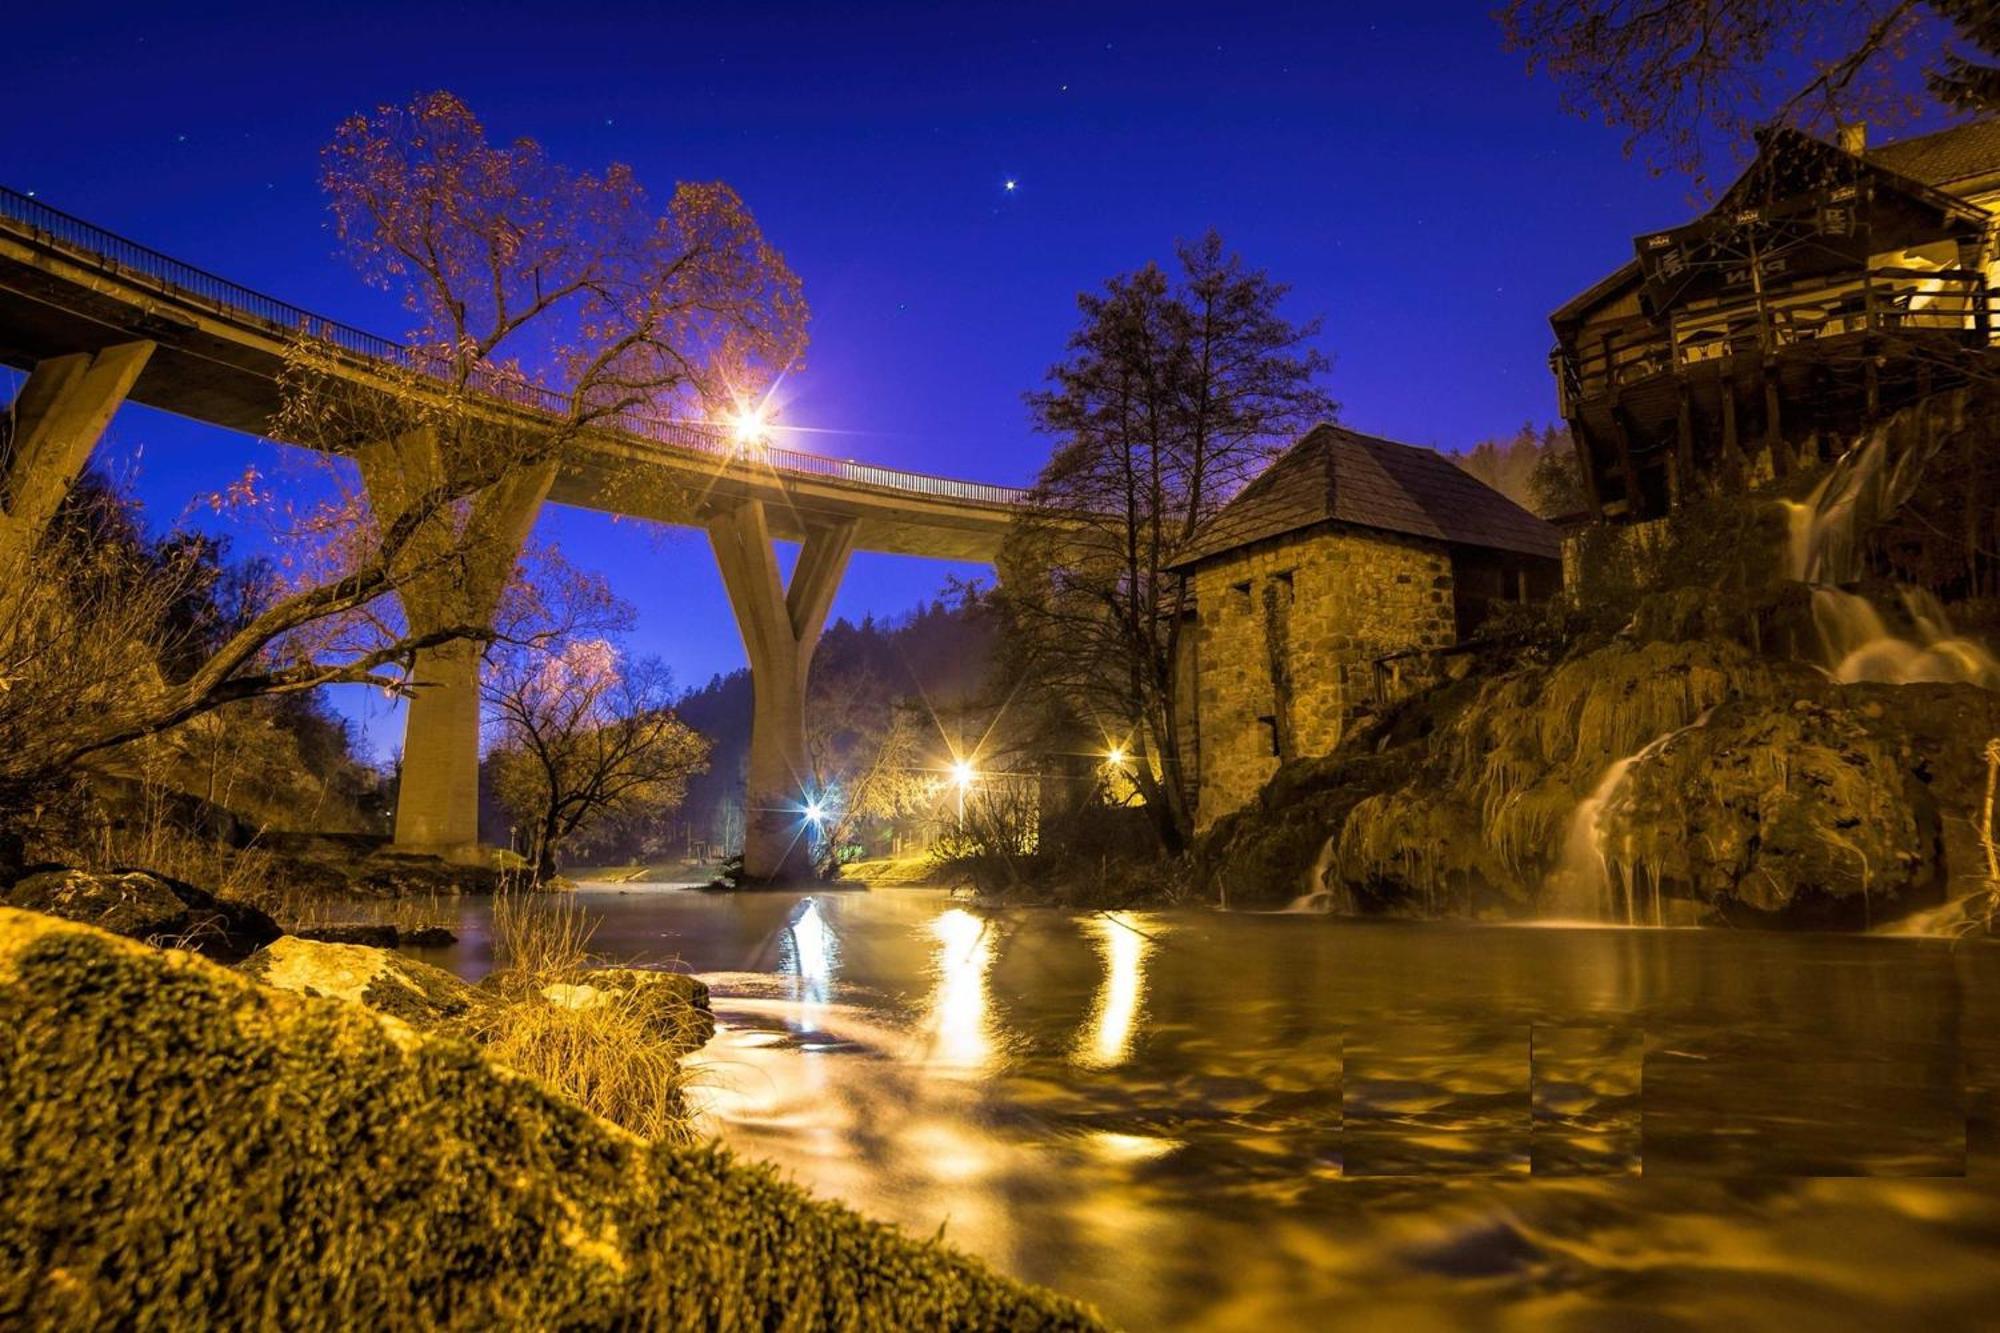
{"x":54,"y":423}
{"x":455,"y":577}
{"x":781,"y":627}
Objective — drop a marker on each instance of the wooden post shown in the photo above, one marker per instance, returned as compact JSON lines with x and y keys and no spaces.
{"x":1732,"y":449}
{"x":1635,"y":503}
{"x":1782,"y":464}
{"x":1684,"y":447}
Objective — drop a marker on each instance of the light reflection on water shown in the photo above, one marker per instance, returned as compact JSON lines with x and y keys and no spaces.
{"x":1107,"y":1038}
{"x":1198,"y":1120}
{"x":959,"y":1017}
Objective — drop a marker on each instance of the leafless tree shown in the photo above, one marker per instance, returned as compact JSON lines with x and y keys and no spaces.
{"x":1176,"y":389}
{"x":583,"y":739}
{"x":550,"y":304}
{"x":1683,"y":78}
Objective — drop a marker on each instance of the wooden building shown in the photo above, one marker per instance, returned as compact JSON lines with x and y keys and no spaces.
{"x":1829,"y":284}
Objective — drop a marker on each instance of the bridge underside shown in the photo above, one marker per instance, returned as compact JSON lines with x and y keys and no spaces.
{"x":92,"y":335}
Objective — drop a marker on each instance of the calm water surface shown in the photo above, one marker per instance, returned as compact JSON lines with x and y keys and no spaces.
{"x":1198,"y":1120}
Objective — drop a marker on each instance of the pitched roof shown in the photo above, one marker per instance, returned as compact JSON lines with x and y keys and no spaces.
{"x":1334,"y":475}
{"x":1960,"y":153}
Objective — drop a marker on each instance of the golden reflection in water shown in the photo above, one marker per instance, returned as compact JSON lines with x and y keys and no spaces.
{"x":961,"y":1024}
{"x":813,"y":951}
{"x":1106,"y":1040}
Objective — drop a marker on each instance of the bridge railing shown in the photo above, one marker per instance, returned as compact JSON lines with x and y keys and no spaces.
{"x":108,"y":252}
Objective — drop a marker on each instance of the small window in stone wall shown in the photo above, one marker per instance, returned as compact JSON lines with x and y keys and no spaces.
{"x":1270,"y":721}
{"x":1239,"y":594}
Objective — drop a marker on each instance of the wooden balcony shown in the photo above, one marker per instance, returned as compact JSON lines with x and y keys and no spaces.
{"x":1951,"y":304}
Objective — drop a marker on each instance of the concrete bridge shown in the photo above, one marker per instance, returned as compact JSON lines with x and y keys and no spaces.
{"x":97,"y":320}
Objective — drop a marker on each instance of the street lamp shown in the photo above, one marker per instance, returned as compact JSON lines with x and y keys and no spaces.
{"x":747,"y":427}
{"x":962,"y":777}
{"x":1115,"y":756}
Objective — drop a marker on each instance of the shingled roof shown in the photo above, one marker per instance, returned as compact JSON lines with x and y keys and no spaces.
{"x":1961,"y":153}
{"x":1333,"y":475}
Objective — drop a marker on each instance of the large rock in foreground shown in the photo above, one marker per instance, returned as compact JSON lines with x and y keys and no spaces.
{"x":142,"y":905}
{"x":181,"y":1147}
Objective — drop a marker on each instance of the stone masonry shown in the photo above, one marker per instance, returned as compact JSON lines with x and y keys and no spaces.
{"x":1290,"y":630}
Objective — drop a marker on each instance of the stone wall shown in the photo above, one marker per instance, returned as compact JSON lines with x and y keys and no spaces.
{"x":1290,"y":630}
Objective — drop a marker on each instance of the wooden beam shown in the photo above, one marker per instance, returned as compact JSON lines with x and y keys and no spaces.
{"x":1635,"y":501}
{"x":1683,"y":473}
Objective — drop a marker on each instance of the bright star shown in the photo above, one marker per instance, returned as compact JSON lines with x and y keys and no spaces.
{"x":1011,"y":183}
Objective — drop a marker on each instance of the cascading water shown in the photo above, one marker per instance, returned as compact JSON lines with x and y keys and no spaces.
{"x":1582,"y":886}
{"x":1824,"y":552}
{"x":1318,"y":898}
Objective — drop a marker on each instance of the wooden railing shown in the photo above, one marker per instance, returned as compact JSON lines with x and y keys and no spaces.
{"x":1882,"y":302}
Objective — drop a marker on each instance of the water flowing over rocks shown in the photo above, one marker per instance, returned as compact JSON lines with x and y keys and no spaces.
{"x":1749,"y":714}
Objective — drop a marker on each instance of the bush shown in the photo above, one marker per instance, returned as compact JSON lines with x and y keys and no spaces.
{"x":603,"y":1047}
{"x":1091,"y":855}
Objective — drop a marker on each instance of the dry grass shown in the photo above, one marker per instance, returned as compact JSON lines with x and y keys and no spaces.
{"x":612,"y":1056}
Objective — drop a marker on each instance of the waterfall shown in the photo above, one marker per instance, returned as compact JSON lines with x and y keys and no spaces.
{"x":1318,"y":898}
{"x":1582,"y":887}
{"x":1823,"y":550}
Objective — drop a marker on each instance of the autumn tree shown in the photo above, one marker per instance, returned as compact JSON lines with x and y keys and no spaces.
{"x":550,"y":304}
{"x":1682,"y":79}
{"x":586,"y":739}
{"x":1178,"y":386}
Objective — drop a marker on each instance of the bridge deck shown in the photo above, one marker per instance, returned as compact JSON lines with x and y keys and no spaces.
{"x":66,"y":286}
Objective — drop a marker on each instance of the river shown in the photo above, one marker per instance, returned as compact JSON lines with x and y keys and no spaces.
{"x":1222,"y":1121}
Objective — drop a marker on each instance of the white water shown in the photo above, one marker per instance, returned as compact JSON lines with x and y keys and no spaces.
{"x":1318,"y":899}
{"x":1824,"y":551}
{"x":1593,"y":882}
{"x":1587,"y":885}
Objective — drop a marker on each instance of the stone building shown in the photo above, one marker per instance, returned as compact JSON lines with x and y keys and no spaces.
{"x":1324,"y":589}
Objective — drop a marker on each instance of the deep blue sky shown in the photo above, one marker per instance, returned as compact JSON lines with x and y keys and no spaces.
{"x":1414,"y":186}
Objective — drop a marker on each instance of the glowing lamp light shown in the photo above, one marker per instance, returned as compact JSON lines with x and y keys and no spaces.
{"x":815,"y":812}
{"x":962,"y":773}
{"x":1116,"y":757}
{"x":746,"y":426}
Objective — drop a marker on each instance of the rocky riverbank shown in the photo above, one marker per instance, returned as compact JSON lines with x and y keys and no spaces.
{"x":254,"y":1155}
{"x":1734,"y":718}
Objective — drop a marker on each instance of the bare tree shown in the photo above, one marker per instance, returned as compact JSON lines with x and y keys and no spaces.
{"x":1175,"y":391}
{"x":584,"y":739}
{"x":1684,"y":77}
{"x":550,"y":303}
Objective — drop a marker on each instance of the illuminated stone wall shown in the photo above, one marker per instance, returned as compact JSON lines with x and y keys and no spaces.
{"x":1290,"y":630}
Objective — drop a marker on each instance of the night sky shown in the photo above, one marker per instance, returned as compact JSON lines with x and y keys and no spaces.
{"x":1394,"y":165}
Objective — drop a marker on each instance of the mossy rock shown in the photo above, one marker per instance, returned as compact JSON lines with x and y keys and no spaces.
{"x":182,"y":1147}
{"x":387,"y":982}
{"x":145,"y":905}
{"x":672,"y":1005}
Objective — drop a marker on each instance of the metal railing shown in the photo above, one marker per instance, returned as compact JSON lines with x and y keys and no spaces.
{"x":93,"y":247}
